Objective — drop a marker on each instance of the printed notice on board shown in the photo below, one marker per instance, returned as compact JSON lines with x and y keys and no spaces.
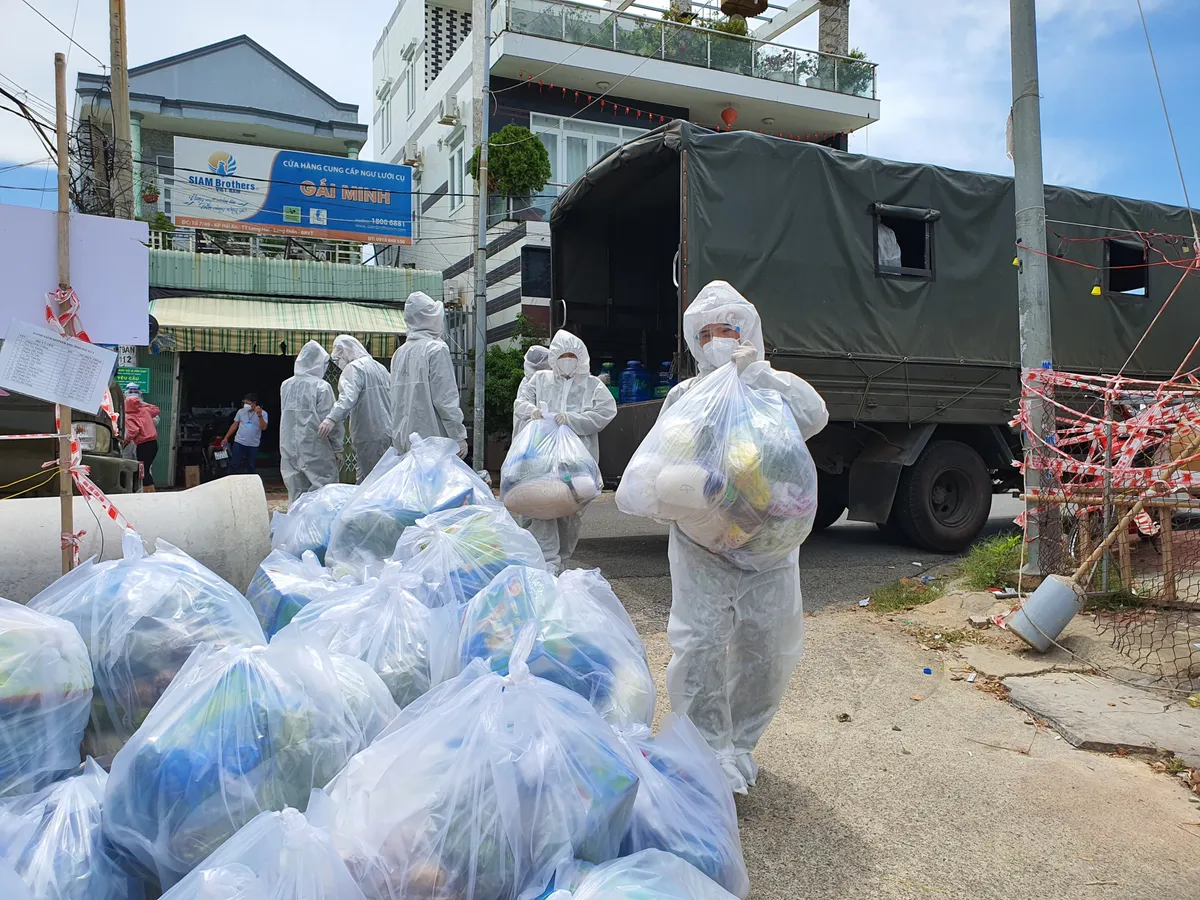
{"x":39,"y":363}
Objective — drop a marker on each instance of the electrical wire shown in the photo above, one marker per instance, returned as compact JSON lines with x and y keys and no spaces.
{"x":63,"y":33}
{"x":32,"y":162}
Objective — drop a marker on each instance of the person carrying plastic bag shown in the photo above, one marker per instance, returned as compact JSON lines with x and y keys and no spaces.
{"x":648,"y":875}
{"x":736,"y":634}
{"x":364,"y":394}
{"x":275,"y":856}
{"x":306,"y":524}
{"x":537,"y":359}
{"x":52,"y":839}
{"x":424,"y":392}
{"x":45,"y":697}
{"x":479,"y":789}
{"x":283,"y":585}
{"x":579,"y":400}
{"x":307,"y":460}
{"x":141,"y":618}
{"x":238,"y":732}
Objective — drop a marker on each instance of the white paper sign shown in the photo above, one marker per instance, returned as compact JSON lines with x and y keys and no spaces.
{"x":39,"y":363}
{"x":110,"y":271}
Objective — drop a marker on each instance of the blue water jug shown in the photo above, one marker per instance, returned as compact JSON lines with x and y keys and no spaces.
{"x":635,"y":383}
{"x":663,"y":382}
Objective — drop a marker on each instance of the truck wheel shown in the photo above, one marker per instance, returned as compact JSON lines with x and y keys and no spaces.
{"x":944,"y":498}
{"x":833,"y":494}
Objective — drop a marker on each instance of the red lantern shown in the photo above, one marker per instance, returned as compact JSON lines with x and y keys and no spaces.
{"x":729,"y":116}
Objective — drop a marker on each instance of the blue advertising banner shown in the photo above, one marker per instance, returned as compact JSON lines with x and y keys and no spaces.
{"x":238,"y":187}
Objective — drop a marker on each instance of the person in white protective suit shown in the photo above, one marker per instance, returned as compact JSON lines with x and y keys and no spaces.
{"x":578,"y":399}
{"x":424,"y":393}
{"x":307,"y":460}
{"x":364,"y":394}
{"x":537,"y":359}
{"x":735,"y":635}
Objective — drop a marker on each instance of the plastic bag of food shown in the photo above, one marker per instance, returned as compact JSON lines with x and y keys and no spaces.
{"x":409,"y":645}
{"x":647,"y":875}
{"x":457,"y":552}
{"x":53,"y":842}
{"x":548,"y":472}
{"x":479,"y":789}
{"x":306,"y":524}
{"x":400,"y":490}
{"x":45,"y":696}
{"x":275,"y":856}
{"x":141,"y":618}
{"x":239,"y":731}
{"x":283,"y":585}
{"x":683,"y":804}
{"x":728,"y":464}
{"x":585,"y":639}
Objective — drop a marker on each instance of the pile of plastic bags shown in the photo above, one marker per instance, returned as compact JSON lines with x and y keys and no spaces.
{"x":584,"y":639}
{"x":648,"y":875}
{"x":399,"y":491}
{"x":283,"y":585}
{"x":548,"y":472}
{"x":237,"y":732}
{"x":728,"y":465}
{"x":141,"y":618}
{"x":306,"y":524}
{"x":457,"y":552}
{"x":51,"y":843}
{"x":481,"y":788}
{"x":45,"y":697}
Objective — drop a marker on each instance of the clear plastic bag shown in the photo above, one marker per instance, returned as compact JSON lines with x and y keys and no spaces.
{"x":275,"y":856}
{"x":284,"y":585}
{"x":409,"y":645}
{"x":141,"y":618}
{"x":548,"y":472}
{"x":684,"y":805}
{"x":457,"y":552}
{"x":585,"y":639}
{"x":237,"y":732}
{"x":400,"y":490}
{"x":728,"y":464}
{"x":479,"y":789}
{"x":53,"y":842}
{"x":647,"y":875}
{"x":306,"y":524}
{"x":45,"y":697}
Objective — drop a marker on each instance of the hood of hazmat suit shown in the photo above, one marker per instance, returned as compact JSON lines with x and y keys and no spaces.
{"x":306,"y":460}
{"x":364,"y":394}
{"x":735,"y":635}
{"x":424,"y":392}
{"x":537,"y":359}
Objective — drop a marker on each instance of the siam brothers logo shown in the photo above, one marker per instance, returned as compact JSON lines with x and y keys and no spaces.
{"x":222,"y":163}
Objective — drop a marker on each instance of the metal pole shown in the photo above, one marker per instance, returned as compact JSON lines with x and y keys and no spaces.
{"x":1033,"y":289}
{"x":481,"y":183}
{"x":65,"y":491}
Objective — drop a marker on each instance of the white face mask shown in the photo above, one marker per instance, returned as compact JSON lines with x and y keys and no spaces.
{"x":565,"y":367}
{"x":719,"y":351}
{"x":247,"y":406}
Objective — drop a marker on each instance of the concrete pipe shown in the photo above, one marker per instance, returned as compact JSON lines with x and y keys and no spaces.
{"x":223,"y":524}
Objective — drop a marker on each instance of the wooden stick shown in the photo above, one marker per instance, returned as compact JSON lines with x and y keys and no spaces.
{"x":1125,"y":559}
{"x":65,"y":487}
{"x":1168,"y":556}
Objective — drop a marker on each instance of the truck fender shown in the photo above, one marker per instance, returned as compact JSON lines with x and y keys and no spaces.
{"x":875,"y":472}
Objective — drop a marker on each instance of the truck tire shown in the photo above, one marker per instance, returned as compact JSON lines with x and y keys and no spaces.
{"x":944,"y":498}
{"x":833,"y":495}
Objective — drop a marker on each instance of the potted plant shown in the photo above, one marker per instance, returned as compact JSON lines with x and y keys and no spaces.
{"x":518,"y":164}
{"x":150,"y":193}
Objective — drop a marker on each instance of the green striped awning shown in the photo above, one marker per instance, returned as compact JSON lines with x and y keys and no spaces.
{"x":234,"y":325}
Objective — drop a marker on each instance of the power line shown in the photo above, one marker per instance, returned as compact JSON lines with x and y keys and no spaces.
{"x":64,"y":34}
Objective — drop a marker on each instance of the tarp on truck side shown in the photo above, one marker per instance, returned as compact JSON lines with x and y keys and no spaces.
{"x":793,"y":226}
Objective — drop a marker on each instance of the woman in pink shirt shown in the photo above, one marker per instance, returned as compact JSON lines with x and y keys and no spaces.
{"x":141,"y":432}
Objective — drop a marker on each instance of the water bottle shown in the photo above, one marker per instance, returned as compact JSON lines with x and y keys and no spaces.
{"x":635,"y":383}
{"x":608,"y":379}
{"x":663,"y":382}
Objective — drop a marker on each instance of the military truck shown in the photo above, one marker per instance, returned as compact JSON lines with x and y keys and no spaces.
{"x":890,"y":286}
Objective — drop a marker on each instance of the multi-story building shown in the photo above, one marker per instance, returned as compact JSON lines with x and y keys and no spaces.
{"x":584,"y":79}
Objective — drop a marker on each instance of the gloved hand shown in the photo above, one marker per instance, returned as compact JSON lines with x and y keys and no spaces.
{"x":325,"y":427}
{"x":561,"y":419}
{"x":744,"y":355}
{"x":462,"y":449}
{"x":536,"y":414}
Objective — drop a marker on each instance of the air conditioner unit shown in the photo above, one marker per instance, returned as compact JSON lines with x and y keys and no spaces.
{"x":384,"y":88}
{"x":409,"y":50}
{"x":449,"y":113}
{"x":412,"y":154}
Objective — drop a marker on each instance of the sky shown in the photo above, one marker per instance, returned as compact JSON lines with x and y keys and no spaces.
{"x":944,"y":77}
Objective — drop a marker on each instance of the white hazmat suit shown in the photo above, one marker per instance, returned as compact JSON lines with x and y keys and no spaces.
{"x":307,"y":460}
{"x":537,"y":359}
{"x":424,"y":393}
{"x":573,"y":396}
{"x":364,"y":394}
{"x":735,"y":635}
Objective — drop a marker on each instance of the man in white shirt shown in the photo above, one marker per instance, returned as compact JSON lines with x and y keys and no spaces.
{"x":249,"y":423}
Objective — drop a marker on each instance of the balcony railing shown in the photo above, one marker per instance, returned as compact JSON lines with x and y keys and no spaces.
{"x":691,"y":45}
{"x":192,"y":240}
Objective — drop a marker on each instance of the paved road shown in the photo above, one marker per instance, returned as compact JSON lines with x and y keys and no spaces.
{"x":838,"y":566}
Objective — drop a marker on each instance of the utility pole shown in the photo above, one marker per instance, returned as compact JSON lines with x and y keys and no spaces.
{"x":119,"y":94}
{"x":63,"y":413}
{"x":1033,"y":286}
{"x":482,"y":25}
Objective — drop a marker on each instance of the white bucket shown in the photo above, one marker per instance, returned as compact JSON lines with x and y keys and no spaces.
{"x":1043,"y":616}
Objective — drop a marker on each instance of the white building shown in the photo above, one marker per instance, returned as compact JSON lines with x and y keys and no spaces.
{"x":584,"y":78}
